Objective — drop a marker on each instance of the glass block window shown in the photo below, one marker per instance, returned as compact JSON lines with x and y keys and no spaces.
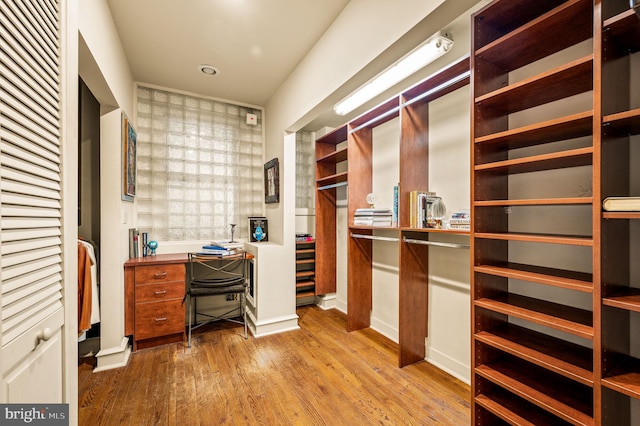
{"x":199,"y":166}
{"x":305,"y":170}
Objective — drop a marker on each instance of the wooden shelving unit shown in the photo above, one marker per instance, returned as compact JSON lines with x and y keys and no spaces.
{"x":305,"y":270}
{"x":620,"y":134}
{"x":330,"y":153}
{"x":535,"y":322}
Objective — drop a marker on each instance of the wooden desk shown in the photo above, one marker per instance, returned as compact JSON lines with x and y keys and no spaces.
{"x":154,"y":288}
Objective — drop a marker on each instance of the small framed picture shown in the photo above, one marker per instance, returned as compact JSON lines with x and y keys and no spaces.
{"x":128,"y":160}
{"x":271,"y":182}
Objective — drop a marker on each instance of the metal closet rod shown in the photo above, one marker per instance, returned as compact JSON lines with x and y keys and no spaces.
{"x":436,"y":243}
{"x":374,"y":237}
{"x":335,"y":185}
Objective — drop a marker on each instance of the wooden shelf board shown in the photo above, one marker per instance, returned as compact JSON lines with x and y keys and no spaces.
{"x":567,"y":359}
{"x":577,"y":322}
{"x":571,"y":280}
{"x":567,"y":80}
{"x":305,"y":294}
{"x":305,"y":251}
{"x":624,"y":27}
{"x":541,"y":37}
{"x":627,"y":299}
{"x":621,"y":215}
{"x":437,"y":231}
{"x":534,"y":202}
{"x":555,"y":160}
{"x":625,"y":378}
{"x":302,"y":274}
{"x":374,"y":228}
{"x":335,"y":157}
{"x":514,"y":410}
{"x":440,"y":77}
{"x":334,"y":137}
{"x":569,"y":127}
{"x":305,"y":284}
{"x":305,"y":261}
{"x":562,"y":397}
{"x":537,"y":238}
{"x":329,"y":180}
{"x":622,"y":123}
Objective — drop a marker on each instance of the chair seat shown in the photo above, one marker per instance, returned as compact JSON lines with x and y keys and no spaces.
{"x":212,"y":290}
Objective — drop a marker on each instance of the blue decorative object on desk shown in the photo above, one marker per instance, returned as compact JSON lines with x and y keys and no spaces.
{"x":153,"y":245}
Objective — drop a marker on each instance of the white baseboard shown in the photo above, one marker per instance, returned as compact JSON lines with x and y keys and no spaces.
{"x":272,"y":326}
{"x":450,"y":365}
{"x":114,"y":357}
{"x":385,"y":329}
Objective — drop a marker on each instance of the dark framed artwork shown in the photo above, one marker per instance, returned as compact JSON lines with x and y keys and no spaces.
{"x":128,"y":159}
{"x":271,"y":182}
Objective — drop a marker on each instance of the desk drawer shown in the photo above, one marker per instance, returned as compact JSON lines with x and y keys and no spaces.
{"x":154,"y":319}
{"x":160,"y":273}
{"x":157,"y":292}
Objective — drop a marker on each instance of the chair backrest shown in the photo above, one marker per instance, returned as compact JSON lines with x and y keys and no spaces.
{"x":217,"y":271}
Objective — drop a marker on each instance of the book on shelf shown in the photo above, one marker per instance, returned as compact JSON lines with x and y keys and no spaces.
{"x":145,"y":242}
{"x":419,"y":203}
{"x":396,"y":204}
{"x":228,"y":244}
{"x":134,"y":242}
{"x":621,"y":204}
{"x":373,"y":217}
{"x":304,"y":237}
{"x":216,"y":250}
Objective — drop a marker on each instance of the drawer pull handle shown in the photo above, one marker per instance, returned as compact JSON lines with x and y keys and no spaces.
{"x":43,"y":336}
{"x":160,"y":275}
{"x":161,"y":319}
{"x":157,"y":293}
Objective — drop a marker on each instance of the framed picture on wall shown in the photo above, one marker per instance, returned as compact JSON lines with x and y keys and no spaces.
{"x":271,"y":182}
{"x":128,"y":159}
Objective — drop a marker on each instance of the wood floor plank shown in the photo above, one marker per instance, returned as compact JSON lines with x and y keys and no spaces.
{"x":317,"y":375}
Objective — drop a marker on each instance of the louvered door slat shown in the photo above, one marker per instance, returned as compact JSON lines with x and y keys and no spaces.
{"x":30,"y":182}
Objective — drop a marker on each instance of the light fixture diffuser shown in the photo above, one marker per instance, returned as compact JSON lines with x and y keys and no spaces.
{"x":429,"y":51}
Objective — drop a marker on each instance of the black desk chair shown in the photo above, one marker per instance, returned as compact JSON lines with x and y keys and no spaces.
{"x":216,"y":275}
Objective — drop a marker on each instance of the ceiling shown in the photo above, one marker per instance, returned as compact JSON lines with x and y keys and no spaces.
{"x":255,"y":45}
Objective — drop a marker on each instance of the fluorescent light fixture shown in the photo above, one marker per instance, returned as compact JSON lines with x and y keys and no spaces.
{"x":429,"y":51}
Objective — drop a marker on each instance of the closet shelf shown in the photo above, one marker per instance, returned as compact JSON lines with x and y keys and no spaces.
{"x":538,"y":238}
{"x":534,"y":202}
{"x":621,"y":215}
{"x":571,"y":280}
{"x":305,"y":261}
{"x":626,"y":28}
{"x":625,"y":378}
{"x":334,"y":157}
{"x":622,"y":123}
{"x":626,"y":298}
{"x":437,"y":231}
{"x":561,"y":82}
{"x":567,"y":359}
{"x":560,"y":396}
{"x":556,"y":160}
{"x":335,"y":137}
{"x":541,"y":37}
{"x":568,"y":127}
{"x":553,"y":315}
{"x":514,"y":410}
{"x":329,"y":180}
{"x":304,"y":274}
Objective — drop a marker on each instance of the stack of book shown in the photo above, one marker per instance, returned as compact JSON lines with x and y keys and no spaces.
{"x":304,"y":237}
{"x":373,"y":217}
{"x":419,"y":205}
{"x":460,"y":220}
{"x":216,"y":250}
{"x":231,"y":245}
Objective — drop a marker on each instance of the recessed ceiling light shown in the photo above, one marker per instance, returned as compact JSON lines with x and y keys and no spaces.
{"x":208,"y":69}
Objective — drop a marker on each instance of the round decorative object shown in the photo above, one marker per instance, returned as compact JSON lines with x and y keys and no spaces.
{"x":439,"y":211}
{"x":371,"y":199}
{"x":153,"y":245}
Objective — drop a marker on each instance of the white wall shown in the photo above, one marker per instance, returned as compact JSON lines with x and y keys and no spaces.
{"x":105,"y":70}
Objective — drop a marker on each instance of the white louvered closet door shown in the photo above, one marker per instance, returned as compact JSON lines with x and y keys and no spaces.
{"x":30,"y":190}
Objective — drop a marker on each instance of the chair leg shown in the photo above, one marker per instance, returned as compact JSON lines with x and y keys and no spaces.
{"x":243,"y":308}
{"x":190,"y":323}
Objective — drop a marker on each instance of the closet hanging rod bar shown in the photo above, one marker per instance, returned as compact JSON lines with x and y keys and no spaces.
{"x":374,"y":237}
{"x":436,"y":243}
{"x":436,"y":89}
{"x":375,"y":119}
{"x":335,"y":185}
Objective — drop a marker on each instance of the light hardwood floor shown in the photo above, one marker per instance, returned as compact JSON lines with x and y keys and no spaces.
{"x":318,"y":375}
